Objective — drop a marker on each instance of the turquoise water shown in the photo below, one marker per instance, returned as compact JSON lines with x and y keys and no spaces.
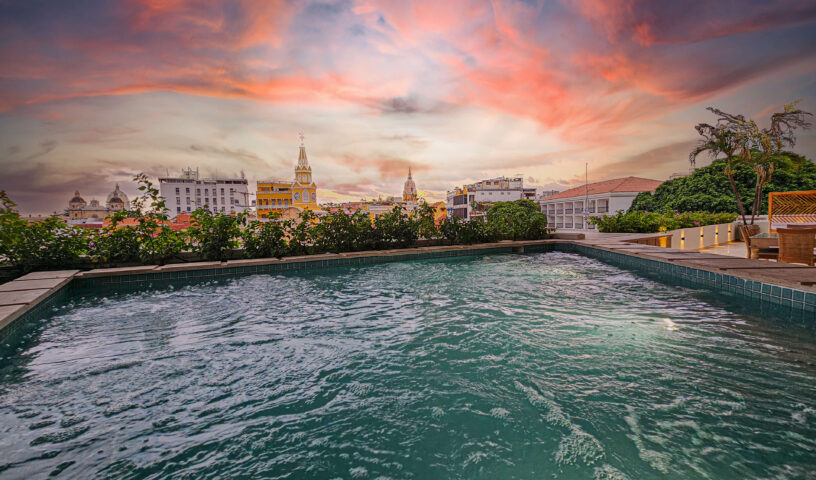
{"x":507,"y":366}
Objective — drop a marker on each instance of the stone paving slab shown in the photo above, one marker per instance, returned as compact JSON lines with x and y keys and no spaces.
{"x":106,"y":272}
{"x":179,"y":267}
{"x":23,"y":297}
{"x":9,"y":313}
{"x":248,"y":262}
{"x":53,"y":274}
{"x":17,"y":285}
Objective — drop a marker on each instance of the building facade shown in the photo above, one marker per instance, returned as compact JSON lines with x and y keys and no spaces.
{"x":274,"y":196}
{"x":476,"y":198}
{"x":81,"y":212}
{"x":571,"y":209}
{"x":189,"y":192}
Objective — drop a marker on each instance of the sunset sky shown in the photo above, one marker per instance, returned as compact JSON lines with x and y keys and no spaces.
{"x":93,"y":92}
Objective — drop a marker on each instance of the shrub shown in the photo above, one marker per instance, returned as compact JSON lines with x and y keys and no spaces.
{"x":214,"y":235}
{"x":395,"y":229}
{"x":49,"y":244}
{"x":518,"y":220}
{"x":264,"y":239}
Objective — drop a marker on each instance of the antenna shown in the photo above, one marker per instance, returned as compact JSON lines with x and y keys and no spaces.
{"x":586,"y":195}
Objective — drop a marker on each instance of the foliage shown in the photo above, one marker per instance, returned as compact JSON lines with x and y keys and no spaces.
{"x":641,"y":221}
{"x":707,"y":189}
{"x":144,"y":234}
{"x":49,"y":244}
{"x":300,"y":234}
{"x":214,"y":235}
{"x":341,"y":232}
{"x":114,"y":245}
{"x":158,"y":242}
{"x":518,"y":220}
{"x":743,"y":142}
{"x":264,"y":239}
{"x":395,"y":229}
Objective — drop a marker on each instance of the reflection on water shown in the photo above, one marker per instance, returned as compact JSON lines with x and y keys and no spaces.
{"x":546,"y":366}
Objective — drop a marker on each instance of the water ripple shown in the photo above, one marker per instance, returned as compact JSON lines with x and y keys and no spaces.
{"x":507,"y":366}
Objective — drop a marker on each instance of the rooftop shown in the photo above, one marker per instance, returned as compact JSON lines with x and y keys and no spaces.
{"x":626,"y":184}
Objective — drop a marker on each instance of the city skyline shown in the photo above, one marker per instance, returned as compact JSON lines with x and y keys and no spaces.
{"x":95,"y":92}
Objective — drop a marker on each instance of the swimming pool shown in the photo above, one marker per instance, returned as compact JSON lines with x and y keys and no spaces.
{"x":504,"y":366}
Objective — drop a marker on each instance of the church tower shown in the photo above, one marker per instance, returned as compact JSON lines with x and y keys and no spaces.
{"x":409,"y":191}
{"x":304,"y":190}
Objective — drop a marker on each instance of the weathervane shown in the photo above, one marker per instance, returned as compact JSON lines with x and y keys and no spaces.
{"x":300,"y":134}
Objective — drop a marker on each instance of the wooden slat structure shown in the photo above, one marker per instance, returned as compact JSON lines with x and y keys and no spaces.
{"x":791,"y":207}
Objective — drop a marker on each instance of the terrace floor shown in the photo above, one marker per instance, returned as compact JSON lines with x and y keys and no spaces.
{"x":732,"y":249}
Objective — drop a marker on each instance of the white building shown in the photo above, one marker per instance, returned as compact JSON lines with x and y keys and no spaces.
{"x":567,"y":209}
{"x":189,"y":192}
{"x":460,"y":201}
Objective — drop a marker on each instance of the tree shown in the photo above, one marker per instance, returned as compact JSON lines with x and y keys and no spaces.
{"x":708,"y":190}
{"x":741,"y":140}
{"x":719,"y":139}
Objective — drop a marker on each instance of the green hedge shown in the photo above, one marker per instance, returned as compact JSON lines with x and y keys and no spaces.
{"x":642,"y":221}
{"x":149,"y":239}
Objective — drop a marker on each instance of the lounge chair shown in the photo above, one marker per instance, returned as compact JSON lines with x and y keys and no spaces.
{"x":796,"y":245}
{"x":747,"y":231}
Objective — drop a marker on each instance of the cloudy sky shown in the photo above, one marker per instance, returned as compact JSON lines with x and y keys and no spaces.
{"x":92,"y":92}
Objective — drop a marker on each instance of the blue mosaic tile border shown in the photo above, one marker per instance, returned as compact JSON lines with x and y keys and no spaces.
{"x":797,"y":302}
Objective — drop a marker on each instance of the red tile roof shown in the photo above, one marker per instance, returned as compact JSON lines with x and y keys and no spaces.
{"x":627,"y":184}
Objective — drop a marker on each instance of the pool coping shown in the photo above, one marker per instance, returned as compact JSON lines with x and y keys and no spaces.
{"x":786,"y":285}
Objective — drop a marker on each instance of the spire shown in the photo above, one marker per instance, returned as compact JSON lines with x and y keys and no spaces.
{"x":409,"y":172}
{"x":302,"y":160}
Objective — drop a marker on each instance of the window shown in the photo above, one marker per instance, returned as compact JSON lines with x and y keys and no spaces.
{"x":178,"y":209}
{"x":188,"y":209}
{"x":188,"y":200}
{"x":222,"y":191}
{"x":215,"y":201}
{"x":177,"y":190}
{"x":206,"y":201}
{"x":198,"y":191}
{"x":222,"y":208}
{"x":178,"y":199}
{"x":188,"y":190}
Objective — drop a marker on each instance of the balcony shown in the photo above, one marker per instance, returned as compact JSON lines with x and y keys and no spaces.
{"x":591,"y":209}
{"x":603,"y":209}
{"x":559,"y":212}
{"x":567,"y":210}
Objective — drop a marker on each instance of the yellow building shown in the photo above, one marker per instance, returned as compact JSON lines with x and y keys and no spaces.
{"x":277,"y":195}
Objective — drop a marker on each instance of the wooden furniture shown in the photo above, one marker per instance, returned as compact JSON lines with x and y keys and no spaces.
{"x":756,"y":248}
{"x":796,"y":245}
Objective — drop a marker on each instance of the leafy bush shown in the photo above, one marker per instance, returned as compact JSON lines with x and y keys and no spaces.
{"x":518,"y":220}
{"x":114,"y":244}
{"x":395,"y":229}
{"x":49,"y":244}
{"x":214,"y":235}
{"x":653,"y":222}
{"x":263,"y":239}
{"x":341,"y":232}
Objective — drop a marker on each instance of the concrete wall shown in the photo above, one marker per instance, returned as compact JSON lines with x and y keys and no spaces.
{"x":696,"y":238}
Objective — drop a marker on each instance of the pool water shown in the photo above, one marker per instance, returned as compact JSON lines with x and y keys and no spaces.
{"x":507,"y":366}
